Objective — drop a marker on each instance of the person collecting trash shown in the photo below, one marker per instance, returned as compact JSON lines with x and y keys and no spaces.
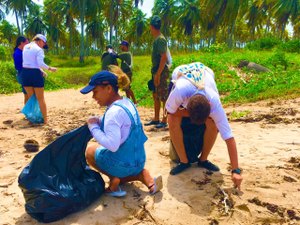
{"x":119,"y":153}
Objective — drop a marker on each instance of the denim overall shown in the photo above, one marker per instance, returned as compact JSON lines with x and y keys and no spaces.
{"x":129,"y":159}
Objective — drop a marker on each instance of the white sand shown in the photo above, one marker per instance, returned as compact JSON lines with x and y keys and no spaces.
{"x":193,"y":197}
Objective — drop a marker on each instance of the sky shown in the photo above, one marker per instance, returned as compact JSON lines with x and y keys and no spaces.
{"x":146,"y":8}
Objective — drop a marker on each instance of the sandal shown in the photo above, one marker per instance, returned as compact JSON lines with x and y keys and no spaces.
{"x":119,"y":193}
{"x":158,"y":185}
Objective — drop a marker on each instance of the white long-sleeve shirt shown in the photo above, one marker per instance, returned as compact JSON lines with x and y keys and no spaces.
{"x":33,"y":57}
{"x":116,"y":126}
{"x":184,"y":90}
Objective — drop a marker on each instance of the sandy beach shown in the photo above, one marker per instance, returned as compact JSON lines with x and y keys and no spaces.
{"x":268,"y":141}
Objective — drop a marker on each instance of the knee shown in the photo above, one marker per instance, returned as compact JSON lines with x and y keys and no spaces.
{"x":173,"y":123}
{"x":90,"y":154}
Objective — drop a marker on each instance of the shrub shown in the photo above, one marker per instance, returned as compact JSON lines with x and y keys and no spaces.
{"x":278,"y":59}
{"x":291,"y":46}
{"x":263,"y":44}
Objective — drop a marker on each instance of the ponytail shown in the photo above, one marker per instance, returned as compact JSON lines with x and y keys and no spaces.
{"x":20,"y":40}
{"x":123,"y":80}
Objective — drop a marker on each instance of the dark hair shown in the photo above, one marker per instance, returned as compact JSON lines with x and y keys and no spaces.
{"x":198,"y":108}
{"x":155,"y":21}
{"x":20,"y":40}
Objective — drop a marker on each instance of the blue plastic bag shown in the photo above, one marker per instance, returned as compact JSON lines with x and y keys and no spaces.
{"x":32,"y":110}
{"x":58,"y":181}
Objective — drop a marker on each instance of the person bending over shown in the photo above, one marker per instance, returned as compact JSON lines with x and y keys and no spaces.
{"x":195,"y":95}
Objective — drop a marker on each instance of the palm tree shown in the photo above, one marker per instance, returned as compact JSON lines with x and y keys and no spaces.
{"x":189,"y":17}
{"x":3,"y":9}
{"x":224,"y":13}
{"x":82,"y":9}
{"x":95,"y":31}
{"x":165,"y":9}
{"x":9,"y":31}
{"x":136,"y":3}
{"x":34,"y":23}
{"x":137,"y":27}
{"x":283,"y":10}
{"x":19,"y":8}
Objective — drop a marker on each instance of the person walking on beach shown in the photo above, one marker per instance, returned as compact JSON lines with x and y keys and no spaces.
{"x":160,"y":73}
{"x":120,"y":152}
{"x":195,"y":95}
{"x":32,"y":74}
{"x":126,"y":66}
{"x":109,"y":57}
{"x":18,"y":61}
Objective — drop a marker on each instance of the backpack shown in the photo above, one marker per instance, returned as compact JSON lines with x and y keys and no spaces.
{"x":169,"y":59}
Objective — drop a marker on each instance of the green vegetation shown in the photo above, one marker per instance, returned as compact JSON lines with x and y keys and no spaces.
{"x":282,"y":82}
{"x":236,"y":115}
{"x":82,"y":28}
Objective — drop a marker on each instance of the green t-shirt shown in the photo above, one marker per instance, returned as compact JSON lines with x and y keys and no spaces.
{"x":125,"y":61}
{"x":159,"y":47}
{"x":107,"y":60}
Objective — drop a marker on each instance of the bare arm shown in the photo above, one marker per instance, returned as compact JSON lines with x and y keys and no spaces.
{"x":232,"y":151}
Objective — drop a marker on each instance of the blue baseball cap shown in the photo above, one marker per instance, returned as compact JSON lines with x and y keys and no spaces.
{"x":125,"y":43}
{"x":102,"y":78}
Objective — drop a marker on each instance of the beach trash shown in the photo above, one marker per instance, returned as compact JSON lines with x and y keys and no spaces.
{"x":31,"y":145}
{"x":58,"y":181}
{"x":32,"y":110}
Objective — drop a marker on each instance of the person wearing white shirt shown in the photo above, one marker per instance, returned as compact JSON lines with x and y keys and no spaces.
{"x":195,"y":95}
{"x":120,"y":152}
{"x":33,"y":74}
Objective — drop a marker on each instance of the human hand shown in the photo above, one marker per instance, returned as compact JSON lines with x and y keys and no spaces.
{"x":44,"y":74}
{"x":156,"y":80}
{"x":52,"y":69}
{"x":237,"y":180}
{"x":93,"y":120}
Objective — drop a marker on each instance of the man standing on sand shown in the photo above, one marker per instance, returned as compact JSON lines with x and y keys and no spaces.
{"x":160,"y":73}
{"x":126,"y":66}
{"x":108,"y":58}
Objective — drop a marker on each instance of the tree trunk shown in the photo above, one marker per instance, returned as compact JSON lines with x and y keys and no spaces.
{"x":82,"y":12}
{"x":111,"y":21}
{"x":19,"y":30}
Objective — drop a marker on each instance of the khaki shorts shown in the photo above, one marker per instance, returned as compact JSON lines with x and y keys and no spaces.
{"x":162,"y":89}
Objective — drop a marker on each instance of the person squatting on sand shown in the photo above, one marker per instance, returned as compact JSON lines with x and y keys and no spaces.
{"x":195,"y":95}
{"x":121,"y":155}
{"x":18,"y":61}
{"x":32,"y":73}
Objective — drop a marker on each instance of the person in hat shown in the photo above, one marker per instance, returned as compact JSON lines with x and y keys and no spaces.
{"x":33,"y":71}
{"x":18,"y":61}
{"x":109,"y":57}
{"x":195,"y":96}
{"x":126,"y":66}
{"x":160,"y":73}
{"x":120,"y":152}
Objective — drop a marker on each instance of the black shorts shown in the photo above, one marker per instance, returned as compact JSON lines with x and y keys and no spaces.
{"x":32,"y":78}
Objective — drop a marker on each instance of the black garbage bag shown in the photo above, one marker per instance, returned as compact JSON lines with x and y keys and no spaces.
{"x":58,"y":181}
{"x":192,"y":138}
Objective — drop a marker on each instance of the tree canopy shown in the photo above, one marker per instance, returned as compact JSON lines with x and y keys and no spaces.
{"x":84,"y":27}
